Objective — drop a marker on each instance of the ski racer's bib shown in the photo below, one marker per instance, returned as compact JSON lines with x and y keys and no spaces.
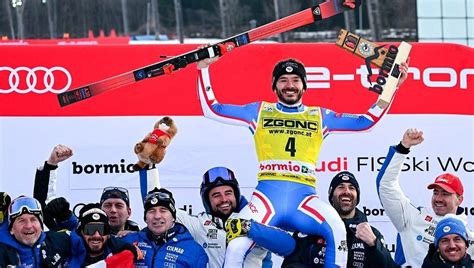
{"x":288,"y":144}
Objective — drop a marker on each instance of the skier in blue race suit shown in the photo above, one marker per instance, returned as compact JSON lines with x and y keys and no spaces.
{"x":288,"y":136}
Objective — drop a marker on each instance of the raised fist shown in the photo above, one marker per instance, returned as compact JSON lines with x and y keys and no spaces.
{"x":60,"y":153}
{"x":412,"y":136}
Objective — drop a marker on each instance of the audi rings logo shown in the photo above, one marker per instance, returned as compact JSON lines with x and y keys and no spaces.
{"x":38,"y":80}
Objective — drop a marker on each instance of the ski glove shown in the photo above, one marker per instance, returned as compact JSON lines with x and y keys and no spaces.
{"x":236,"y":228}
{"x":57,"y":209}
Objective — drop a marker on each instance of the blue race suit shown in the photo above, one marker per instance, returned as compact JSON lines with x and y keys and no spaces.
{"x":285,"y":196}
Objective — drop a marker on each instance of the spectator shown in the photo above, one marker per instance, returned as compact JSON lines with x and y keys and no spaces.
{"x":115,"y":201}
{"x":99,"y":244}
{"x":415,"y":225}
{"x":220,"y":195}
{"x":25,"y":243}
{"x":164,"y":242}
{"x":365,"y":243}
{"x":450,"y":245}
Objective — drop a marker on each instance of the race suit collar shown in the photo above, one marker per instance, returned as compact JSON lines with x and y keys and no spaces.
{"x":290,"y":109}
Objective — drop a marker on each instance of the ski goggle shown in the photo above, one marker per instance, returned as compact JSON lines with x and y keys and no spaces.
{"x":115,"y":192}
{"x":22,"y":205}
{"x":92,"y":228}
{"x":213,"y":175}
{"x":158,"y":195}
{"x":114,"y":188}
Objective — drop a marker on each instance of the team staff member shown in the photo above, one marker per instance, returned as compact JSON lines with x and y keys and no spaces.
{"x":97,"y":242}
{"x":288,"y":136}
{"x":25,"y":244}
{"x":365,"y":243}
{"x":449,"y":248}
{"x":164,"y":242}
{"x":115,"y":201}
{"x":220,"y":195}
{"x":415,"y":225}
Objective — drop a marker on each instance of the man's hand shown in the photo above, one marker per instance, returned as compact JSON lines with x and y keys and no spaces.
{"x":236,"y":228}
{"x":123,"y":233}
{"x":206,"y":62}
{"x":364,"y":233}
{"x":60,"y":153}
{"x":58,"y":209}
{"x":227,"y":47}
{"x":412,"y":137}
{"x":404,"y":72}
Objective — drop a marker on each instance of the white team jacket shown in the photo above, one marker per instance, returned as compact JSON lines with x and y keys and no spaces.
{"x":415,"y":225}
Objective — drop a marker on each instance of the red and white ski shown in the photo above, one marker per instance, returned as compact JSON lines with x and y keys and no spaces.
{"x":320,"y":12}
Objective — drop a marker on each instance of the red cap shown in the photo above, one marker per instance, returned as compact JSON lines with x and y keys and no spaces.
{"x":449,"y":182}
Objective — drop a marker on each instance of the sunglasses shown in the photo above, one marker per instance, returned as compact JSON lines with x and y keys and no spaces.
{"x":24,"y":204}
{"x":92,"y":228}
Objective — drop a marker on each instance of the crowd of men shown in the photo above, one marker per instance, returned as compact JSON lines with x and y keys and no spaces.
{"x":44,"y":231}
{"x":103,"y":232}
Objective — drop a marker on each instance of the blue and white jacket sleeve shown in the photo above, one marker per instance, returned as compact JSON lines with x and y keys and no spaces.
{"x":334,"y":122}
{"x":239,"y":115}
{"x":393,"y":200}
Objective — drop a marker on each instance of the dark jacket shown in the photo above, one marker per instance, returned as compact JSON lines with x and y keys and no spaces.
{"x":175,"y":249}
{"x":309,"y":251}
{"x":55,"y":249}
{"x":433,"y":260}
{"x":131,"y":226}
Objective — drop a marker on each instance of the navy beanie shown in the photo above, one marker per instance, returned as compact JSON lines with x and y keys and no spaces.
{"x":159,"y":198}
{"x":343,"y":176}
{"x":289,"y":66}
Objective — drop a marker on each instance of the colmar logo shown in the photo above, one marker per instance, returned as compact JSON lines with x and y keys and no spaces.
{"x":38,"y":79}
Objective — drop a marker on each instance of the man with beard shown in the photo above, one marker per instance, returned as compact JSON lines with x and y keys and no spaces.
{"x":115,"y":201}
{"x":288,"y":136}
{"x":449,"y":248}
{"x":98,"y":243}
{"x":365,"y":243}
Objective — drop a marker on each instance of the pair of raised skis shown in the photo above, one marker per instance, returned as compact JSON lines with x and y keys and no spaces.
{"x":320,"y":12}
